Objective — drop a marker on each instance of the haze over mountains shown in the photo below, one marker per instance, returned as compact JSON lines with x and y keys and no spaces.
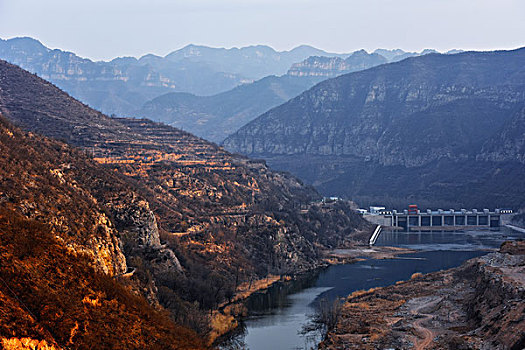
{"x":122,"y":85}
{"x":437,"y":129}
{"x":128,"y":86}
{"x":215,"y":117}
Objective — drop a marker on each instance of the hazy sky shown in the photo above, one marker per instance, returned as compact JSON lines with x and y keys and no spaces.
{"x":103,"y":29}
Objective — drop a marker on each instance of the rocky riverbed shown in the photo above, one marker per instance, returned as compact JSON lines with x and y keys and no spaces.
{"x":478,"y":305}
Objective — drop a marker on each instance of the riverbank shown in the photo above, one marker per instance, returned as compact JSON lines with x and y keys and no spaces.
{"x":478,"y":305}
{"x":349,"y":255}
{"x":225,"y":320}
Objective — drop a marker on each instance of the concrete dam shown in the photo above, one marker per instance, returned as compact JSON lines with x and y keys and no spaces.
{"x":414,"y":219}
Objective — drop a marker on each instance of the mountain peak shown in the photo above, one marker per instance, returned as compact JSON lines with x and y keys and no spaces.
{"x":26,"y":44}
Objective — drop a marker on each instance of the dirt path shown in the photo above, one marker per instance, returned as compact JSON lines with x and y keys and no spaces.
{"x":426,"y":333}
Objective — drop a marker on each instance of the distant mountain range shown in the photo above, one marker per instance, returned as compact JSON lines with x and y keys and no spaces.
{"x":210,"y":90}
{"x":216,"y":117}
{"x":437,"y":129}
{"x":122,"y":85}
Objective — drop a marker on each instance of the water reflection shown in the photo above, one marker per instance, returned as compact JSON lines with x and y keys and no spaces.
{"x":446,"y":240}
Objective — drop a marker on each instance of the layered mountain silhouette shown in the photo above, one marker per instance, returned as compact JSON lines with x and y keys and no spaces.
{"x":210,"y":92}
{"x":122,"y":85}
{"x":215,"y":117}
{"x":437,"y":129}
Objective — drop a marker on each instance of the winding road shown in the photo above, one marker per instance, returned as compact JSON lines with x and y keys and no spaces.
{"x":427,"y":335}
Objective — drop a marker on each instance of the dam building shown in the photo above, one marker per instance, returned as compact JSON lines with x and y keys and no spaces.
{"x":414,"y":219}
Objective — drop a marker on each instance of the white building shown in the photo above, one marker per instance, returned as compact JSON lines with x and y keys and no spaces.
{"x":376,"y":210}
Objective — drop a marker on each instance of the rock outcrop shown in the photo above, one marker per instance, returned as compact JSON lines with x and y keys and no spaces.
{"x":329,"y":67}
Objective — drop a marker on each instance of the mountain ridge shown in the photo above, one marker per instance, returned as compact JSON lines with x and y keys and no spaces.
{"x":396,"y":114}
{"x":215,"y":117}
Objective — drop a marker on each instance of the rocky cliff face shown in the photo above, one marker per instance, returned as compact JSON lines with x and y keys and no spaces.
{"x":409,"y":114}
{"x":329,"y":67}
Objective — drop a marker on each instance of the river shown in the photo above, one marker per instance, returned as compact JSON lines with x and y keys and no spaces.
{"x":276,"y":317}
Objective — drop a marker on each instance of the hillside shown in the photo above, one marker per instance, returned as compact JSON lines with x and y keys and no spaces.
{"x":218,"y":116}
{"x":204,"y":220}
{"x":61,"y":254}
{"x":478,"y":305}
{"x":418,"y":130}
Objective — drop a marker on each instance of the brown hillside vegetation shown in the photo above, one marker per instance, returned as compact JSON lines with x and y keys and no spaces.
{"x":51,"y":293}
{"x":49,"y":182}
{"x":219,"y":220}
{"x":59,"y":249}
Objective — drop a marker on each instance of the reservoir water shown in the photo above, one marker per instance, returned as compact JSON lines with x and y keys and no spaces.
{"x":277,"y":316}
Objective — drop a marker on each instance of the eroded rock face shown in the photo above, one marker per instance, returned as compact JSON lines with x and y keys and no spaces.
{"x":329,"y":67}
{"x":134,"y":218}
{"x":105,"y":248}
{"x":139,"y":230}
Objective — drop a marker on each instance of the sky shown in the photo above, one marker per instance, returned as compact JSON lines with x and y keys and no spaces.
{"x":104,"y":29}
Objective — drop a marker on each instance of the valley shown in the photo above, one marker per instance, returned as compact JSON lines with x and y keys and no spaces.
{"x":193,"y":221}
{"x":165,"y":183}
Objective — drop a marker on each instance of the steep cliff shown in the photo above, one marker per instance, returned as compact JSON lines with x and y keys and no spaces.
{"x":329,"y":67}
{"x":415,"y":116}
